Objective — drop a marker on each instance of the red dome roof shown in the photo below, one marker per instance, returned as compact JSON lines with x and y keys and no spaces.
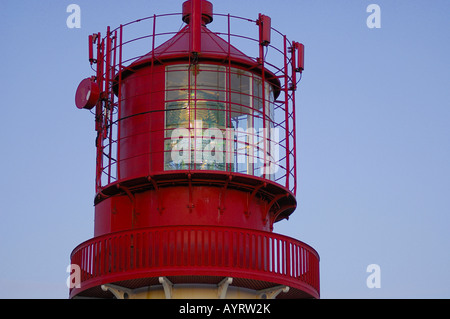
{"x":213,"y":47}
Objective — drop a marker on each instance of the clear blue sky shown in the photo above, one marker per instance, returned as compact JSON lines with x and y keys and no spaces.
{"x":373,"y":120}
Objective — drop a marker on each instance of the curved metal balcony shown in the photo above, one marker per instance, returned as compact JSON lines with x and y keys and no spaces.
{"x":197,"y":254}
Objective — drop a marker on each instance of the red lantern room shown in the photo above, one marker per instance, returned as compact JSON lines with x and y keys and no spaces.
{"x":195,"y":162}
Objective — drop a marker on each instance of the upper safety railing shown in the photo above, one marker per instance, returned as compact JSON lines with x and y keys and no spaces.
{"x":113,"y":54}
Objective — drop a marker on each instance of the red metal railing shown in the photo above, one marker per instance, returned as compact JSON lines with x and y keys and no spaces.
{"x":122,"y":46}
{"x":197,"y":250}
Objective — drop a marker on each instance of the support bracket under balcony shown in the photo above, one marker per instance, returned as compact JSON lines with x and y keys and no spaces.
{"x":222,"y":287}
{"x":190,"y":205}
{"x":117,"y":291}
{"x":252,"y":196}
{"x":167,"y":285}
{"x":158,"y":194}
{"x":222,"y":195}
{"x":266,"y":217}
{"x":273,"y":292}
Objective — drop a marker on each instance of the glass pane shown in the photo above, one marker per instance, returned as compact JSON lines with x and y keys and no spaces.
{"x":177,"y":115}
{"x":212,"y":114}
{"x":240,"y":89}
{"x":257,"y":93}
{"x":210,"y":83}
{"x":207,"y":145}
{"x":176,"y":82}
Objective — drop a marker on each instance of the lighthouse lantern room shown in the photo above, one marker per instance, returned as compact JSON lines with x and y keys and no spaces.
{"x":196,"y":161}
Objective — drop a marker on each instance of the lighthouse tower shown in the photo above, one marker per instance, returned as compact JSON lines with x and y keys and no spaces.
{"x":196,"y":161}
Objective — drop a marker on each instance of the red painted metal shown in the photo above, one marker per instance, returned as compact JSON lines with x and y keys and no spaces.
{"x":182,"y":251}
{"x":265,"y":26}
{"x":193,"y":75}
{"x":195,"y":23}
{"x":181,"y":198}
{"x":87,"y":94}
{"x":91,"y":49}
{"x":206,"y":9}
{"x":300,"y":64}
{"x":213,"y":48}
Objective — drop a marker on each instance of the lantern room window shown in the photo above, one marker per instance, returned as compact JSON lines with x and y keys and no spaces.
{"x":214,"y":120}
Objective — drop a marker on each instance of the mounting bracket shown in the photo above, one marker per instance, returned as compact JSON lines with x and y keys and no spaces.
{"x":117,"y":291}
{"x":222,"y":287}
{"x":167,"y":285}
{"x":273,"y":292}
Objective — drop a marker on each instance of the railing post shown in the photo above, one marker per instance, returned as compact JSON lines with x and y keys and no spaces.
{"x":196,"y":26}
{"x":288,"y":258}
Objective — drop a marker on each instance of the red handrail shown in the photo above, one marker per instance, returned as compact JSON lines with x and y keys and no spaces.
{"x":121,"y":47}
{"x":197,"y":250}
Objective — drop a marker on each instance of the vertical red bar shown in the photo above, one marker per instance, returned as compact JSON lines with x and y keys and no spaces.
{"x":94,"y":258}
{"x":286,"y":110}
{"x":264,"y":35}
{"x":151,"y":249}
{"x":300,"y":57}
{"x":151,"y":91}
{"x":261,"y":253}
{"x":119,"y":255}
{"x":294,"y":147}
{"x":295,"y":261}
{"x":119,"y":100}
{"x":294,"y":66}
{"x":91,"y":49}
{"x":318,"y":277}
{"x":265,"y":28}
{"x":196,"y":25}
{"x":107,"y":95}
{"x":104,"y":252}
{"x":112,"y":139}
{"x":99,"y":81}
{"x":288,"y":258}
{"x":207,"y":247}
{"x":251,"y":255}
{"x":161,"y":251}
{"x":229,"y":136}
{"x":308,"y":267}
{"x":219,"y":248}
{"x":272,"y":246}
{"x":263,"y":84}
{"x":98,"y":109}
{"x":267,"y":259}
{"x":99,"y":112}
{"x":292,"y":116}
{"x":200,"y":248}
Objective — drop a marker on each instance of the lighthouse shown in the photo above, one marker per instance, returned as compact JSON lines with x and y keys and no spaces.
{"x":195,"y":161}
